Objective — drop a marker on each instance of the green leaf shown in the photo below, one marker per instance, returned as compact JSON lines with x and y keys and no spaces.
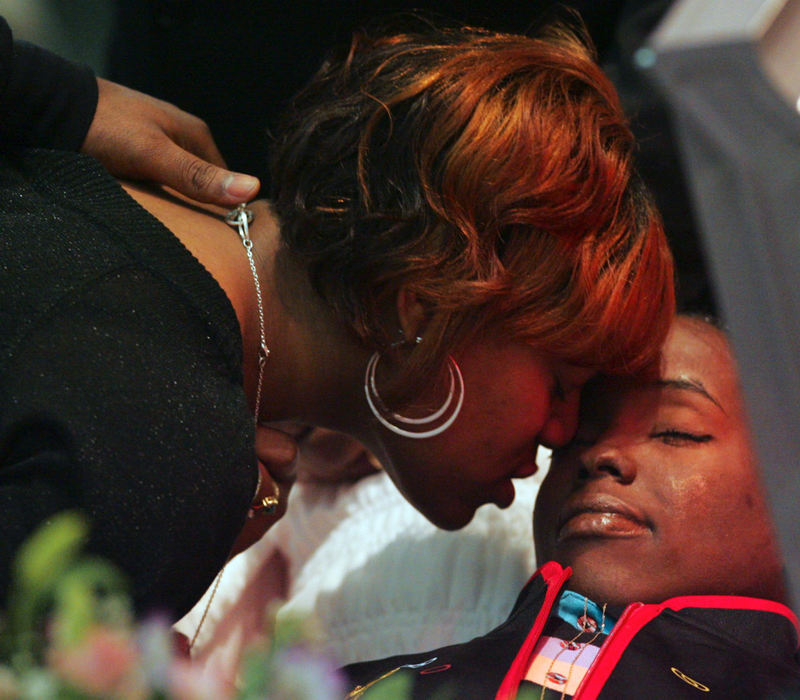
{"x":394,"y":687}
{"x":293,"y":630}
{"x":39,"y":565}
{"x":50,"y":550}
{"x":78,"y":596}
{"x":255,"y":674}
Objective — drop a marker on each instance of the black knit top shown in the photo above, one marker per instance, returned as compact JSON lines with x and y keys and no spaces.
{"x":120,"y":382}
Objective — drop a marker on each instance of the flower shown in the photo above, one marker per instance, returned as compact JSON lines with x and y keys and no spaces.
{"x":105,"y":662}
{"x":70,"y":633}
{"x":188,"y":681}
{"x":9,"y":686}
{"x":305,"y":674}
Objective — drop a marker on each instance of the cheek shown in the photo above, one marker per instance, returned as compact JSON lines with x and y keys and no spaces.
{"x":690,"y":513}
{"x":510,"y":409}
{"x":496,"y":433}
{"x":690,"y":505}
{"x":553,"y":492}
{"x":508,"y":394}
{"x":706,"y":518}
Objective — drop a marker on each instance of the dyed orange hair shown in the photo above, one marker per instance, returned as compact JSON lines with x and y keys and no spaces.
{"x":493,"y":175}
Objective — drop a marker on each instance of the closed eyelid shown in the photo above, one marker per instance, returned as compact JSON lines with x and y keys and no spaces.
{"x":557,"y":391}
{"x":562,"y":389}
{"x":590,"y":431}
{"x":674,"y":433}
{"x":584,"y":441}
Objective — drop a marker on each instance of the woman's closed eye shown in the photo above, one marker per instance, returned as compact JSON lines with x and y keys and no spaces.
{"x":583,"y":439}
{"x":680,"y":438}
{"x":557,"y":391}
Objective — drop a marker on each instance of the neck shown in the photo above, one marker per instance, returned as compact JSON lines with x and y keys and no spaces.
{"x":319,"y":381}
{"x":314,"y":368}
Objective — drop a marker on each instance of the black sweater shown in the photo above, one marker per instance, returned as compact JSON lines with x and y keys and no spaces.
{"x":45,"y":100}
{"x":120,"y":382}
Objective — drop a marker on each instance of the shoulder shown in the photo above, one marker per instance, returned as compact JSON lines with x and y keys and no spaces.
{"x":735,"y":647}
{"x":138,"y":421}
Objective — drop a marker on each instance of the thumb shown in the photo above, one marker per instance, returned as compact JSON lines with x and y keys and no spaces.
{"x":203,"y":181}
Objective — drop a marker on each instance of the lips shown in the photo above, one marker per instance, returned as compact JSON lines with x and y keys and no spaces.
{"x":528,"y":469}
{"x":503,"y":493}
{"x":601,"y":515}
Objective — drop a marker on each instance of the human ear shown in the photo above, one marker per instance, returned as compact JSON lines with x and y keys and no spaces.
{"x":411,"y":313}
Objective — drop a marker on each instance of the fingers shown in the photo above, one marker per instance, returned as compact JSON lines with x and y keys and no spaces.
{"x":200,"y":180}
{"x":191,"y":134}
{"x":137,"y":136}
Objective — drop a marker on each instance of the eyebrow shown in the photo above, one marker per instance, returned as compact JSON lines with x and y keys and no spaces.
{"x":685,"y":384}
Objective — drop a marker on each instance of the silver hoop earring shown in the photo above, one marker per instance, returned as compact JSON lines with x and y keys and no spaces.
{"x":416,"y":425}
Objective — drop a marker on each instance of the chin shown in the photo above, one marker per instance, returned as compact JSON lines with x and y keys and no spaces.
{"x":615,"y":580}
{"x":448,"y":518}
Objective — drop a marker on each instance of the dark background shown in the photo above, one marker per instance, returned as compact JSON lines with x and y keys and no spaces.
{"x":236,"y":62}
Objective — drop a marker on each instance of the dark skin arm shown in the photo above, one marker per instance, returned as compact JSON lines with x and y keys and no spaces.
{"x":49,"y":102}
{"x":140,"y":137}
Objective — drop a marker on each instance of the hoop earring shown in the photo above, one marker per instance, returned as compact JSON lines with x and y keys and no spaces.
{"x":385,"y":416}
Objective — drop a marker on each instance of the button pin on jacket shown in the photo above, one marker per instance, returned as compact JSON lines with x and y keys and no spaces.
{"x":587,"y":623}
{"x":691,"y":681}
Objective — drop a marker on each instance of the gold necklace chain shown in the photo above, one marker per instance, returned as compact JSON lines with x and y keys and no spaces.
{"x":217,"y":579}
{"x":568,"y":644}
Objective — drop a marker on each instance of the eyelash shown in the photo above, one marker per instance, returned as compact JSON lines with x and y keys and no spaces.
{"x":678,"y":437}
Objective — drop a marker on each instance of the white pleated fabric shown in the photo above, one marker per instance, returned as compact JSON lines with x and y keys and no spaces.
{"x":375,"y":575}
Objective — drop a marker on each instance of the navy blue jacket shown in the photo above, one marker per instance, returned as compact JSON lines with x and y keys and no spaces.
{"x":687,"y":647}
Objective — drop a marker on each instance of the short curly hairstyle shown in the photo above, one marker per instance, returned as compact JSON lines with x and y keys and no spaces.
{"x":492,"y":175}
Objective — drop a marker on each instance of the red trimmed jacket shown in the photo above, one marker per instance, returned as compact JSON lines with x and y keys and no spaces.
{"x":690,"y":647}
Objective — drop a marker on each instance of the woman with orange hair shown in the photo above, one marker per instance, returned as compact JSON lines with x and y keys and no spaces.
{"x":456,"y":241}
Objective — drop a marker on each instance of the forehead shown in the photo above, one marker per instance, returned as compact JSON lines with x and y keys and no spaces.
{"x":697,"y":352}
{"x":696,"y":358}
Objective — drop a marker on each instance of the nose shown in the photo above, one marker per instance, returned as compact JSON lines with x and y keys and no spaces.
{"x":606,"y":459}
{"x":562,"y":422}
